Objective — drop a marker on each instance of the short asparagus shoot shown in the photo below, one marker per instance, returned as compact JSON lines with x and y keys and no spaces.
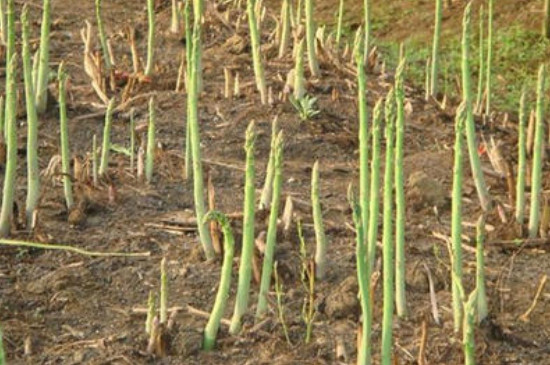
{"x":163,"y":307}
{"x":522,"y":161}
{"x":321,"y":239}
{"x":64,"y":131}
{"x":538,"y":150}
{"x":106,"y":147}
{"x":150,"y":153}
{"x":256,"y":50}
{"x":310,"y":37}
{"x":245,"y":268}
{"x":211,"y":329}
{"x":271,"y":238}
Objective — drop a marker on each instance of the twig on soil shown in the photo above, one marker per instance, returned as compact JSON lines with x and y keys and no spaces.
{"x":433,"y":298}
{"x":188,"y":308}
{"x":423,"y":341}
{"x":525,"y":316}
{"x":45,"y":246}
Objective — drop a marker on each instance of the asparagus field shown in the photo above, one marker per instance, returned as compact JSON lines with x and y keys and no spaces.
{"x":274,"y":182}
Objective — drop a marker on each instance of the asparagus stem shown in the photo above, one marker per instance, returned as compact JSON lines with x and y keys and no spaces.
{"x":64,"y":131}
{"x":321,"y":248}
{"x":245,"y":268}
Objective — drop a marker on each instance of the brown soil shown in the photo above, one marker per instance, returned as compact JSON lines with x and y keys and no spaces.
{"x":62,"y":308}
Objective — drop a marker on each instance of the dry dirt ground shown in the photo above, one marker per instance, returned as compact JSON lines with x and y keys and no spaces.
{"x":63,"y":308}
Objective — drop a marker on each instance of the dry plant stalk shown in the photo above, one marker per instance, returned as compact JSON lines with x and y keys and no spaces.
{"x":93,"y":65}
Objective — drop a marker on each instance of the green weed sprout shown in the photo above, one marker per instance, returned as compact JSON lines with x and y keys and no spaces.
{"x":2,"y":354}
{"x":489,"y":59}
{"x":363,"y":278}
{"x":194,"y":131}
{"x":522,"y":161}
{"x":400,"y":205}
{"x":340,"y":23}
{"x":456,"y":215}
{"x":64,"y":131}
{"x":479,"y":100}
{"x":435,"y":50}
{"x":245,"y":268}
{"x":305,"y":107}
{"x":11,"y":130}
{"x":285,"y":28}
{"x":310,"y":37}
{"x":150,"y":153}
{"x":104,"y":163}
{"x":321,"y":239}
{"x":33,"y":172}
{"x":268,"y":183}
{"x":211,"y":329}
{"x":150,"y":38}
{"x":299,"y":80}
{"x":475,"y":162}
{"x":256,"y":50}
{"x":43,"y":73}
{"x":163,"y":307}
{"x":280,"y":305}
{"x":482,"y":310}
{"x":538,"y":150}
{"x":374,"y":196}
{"x":271,"y":238}
{"x":387,"y":234}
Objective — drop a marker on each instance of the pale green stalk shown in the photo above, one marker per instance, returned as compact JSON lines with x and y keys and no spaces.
{"x":364,"y":177}
{"x":105,"y":149}
{"x":340,"y":24}
{"x":2,"y":118}
{"x":194,"y":131}
{"x":400,"y":204}
{"x":475,"y":161}
{"x":150,"y":152}
{"x":175,"y":20}
{"x":481,"y":63}
{"x":245,"y":267}
{"x":95,"y":164}
{"x":3,"y":25}
{"x":363,"y":278}
{"x":43,"y":74}
{"x":522,"y":161}
{"x":299,"y":80}
{"x":150,"y":38}
{"x":482,"y":310}
{"x":163,"y":305}
{"x":64,"y":131}
{"x":2,"y":354}
{"x":435,"y":49}
{"x":268,"y":183}
{"x":374,"y":196}
{"x":298,"y":13}
{"x":188,"y":57}
{"x":456,"y":215}
{"x":33,"y":172}
{"x":310,"y":37}
{"x":538,"y":151}
{"x":388,"y":243}
{"x":468,"y":330}
{"x":271,"y":237}
{"x":489,"y":59}
{"x":320,"y":238}
{"x":132,"y":140}
{"x":368,"y":29}
{"x":11,"y":142}
{"x":285,"y":28}
{"x":256,"y":50}
{"x":102,"y":36}
{"x":211,"y":329}
{"x":151,"y":309}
